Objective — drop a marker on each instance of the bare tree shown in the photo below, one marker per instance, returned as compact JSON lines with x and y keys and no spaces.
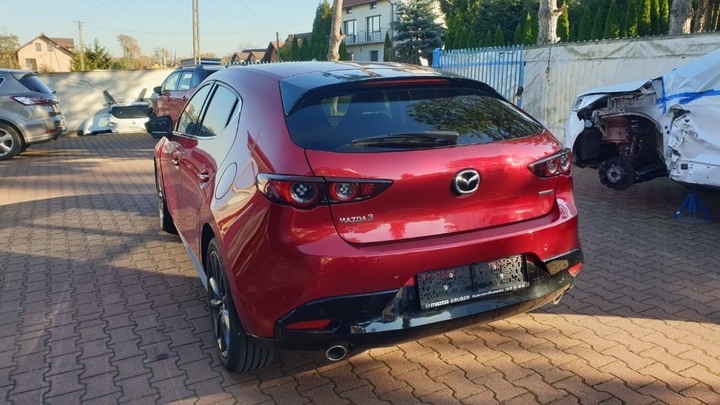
{"x":129,"y":45}
{"x":548,"y":15}
{"x":681,"y":14}
{"x":335,"y":36}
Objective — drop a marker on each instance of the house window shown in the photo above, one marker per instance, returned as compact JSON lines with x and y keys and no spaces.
{"x":49,"y":46}
{"x":31,"y":64}
{"x":350,"y":30}
{"x":351,"y":56}
{"x":373,"y":29}
{"x":348,"y":10}
{"x":373,"y":5}
{"x":374,"y":56}
{"x":38,"y":46}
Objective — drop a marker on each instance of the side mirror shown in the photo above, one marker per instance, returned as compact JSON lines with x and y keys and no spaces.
{"x":158,"y":90}
{"x":159,"y":127}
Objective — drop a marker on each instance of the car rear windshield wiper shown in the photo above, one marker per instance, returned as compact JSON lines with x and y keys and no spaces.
{"x":410,"y":139}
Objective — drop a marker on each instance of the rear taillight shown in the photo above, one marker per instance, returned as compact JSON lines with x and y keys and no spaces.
{"x":35,"y":100}
{"x":308,"y":192}
{"x":555,"y":165}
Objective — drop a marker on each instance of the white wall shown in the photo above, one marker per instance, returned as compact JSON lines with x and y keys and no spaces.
{"x":81,"y":93}
{"x":555,"y":74}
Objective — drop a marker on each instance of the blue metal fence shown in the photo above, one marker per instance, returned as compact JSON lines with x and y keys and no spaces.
{"x":503,"y":68}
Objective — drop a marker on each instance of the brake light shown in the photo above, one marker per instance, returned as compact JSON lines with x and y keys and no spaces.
{"x":308,"y":192}
{"x":426,"y":80}
{"x":307,"y":325}
{"x":33,"y":100}
{"x":554,"y":165}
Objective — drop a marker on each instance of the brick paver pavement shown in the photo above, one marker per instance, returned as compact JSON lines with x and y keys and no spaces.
{"x":98,"y":306}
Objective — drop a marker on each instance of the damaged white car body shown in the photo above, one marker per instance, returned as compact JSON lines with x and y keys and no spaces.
{"x":668,"y":126}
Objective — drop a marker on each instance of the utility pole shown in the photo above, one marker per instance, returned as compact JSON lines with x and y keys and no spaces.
{"x":82,"y":46}
{"x":196,"y":32}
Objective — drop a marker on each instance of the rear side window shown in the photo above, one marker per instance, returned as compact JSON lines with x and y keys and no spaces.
{"x":339,"y":120}
{"x":190,"y":117}
{"x":220,"y":111}
{"x":33,"y":83}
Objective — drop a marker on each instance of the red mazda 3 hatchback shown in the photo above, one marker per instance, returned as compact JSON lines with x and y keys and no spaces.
{"x":341,"y":206}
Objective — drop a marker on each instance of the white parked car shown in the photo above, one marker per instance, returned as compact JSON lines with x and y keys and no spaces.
{"x":663,"y":127}
{"x":117,"y":117}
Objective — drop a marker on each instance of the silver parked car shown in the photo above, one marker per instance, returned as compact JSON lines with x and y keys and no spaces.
{"x":29,"y":112}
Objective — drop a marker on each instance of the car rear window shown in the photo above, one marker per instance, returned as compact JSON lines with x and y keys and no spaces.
{"x":130,"y":111}
{"x":33,"y":83}
{"x":339,"y":120}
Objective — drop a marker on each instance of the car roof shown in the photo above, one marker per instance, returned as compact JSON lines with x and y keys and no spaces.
{"x":297,"y":78}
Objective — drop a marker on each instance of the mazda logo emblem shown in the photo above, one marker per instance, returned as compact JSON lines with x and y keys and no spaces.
{"x":466,"y":182}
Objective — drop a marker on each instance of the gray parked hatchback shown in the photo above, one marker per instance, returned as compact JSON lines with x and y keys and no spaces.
{"x":29,"y":112}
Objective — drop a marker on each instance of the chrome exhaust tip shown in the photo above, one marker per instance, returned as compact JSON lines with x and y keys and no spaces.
{"x":557,"y":299}
{"x":336,"y":352}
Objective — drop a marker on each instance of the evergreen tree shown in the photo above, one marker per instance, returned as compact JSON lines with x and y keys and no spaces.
{"x":518,"y":37}
{"x":665,"y":17}
{"x":644,"y":18}
{"x":499,"y":37}
{"x":306,"y":49}
{"x":528,"y":32}
{"x":295,"y":49}
{"x":563,"y":25}
{"x":469,"y":39}
{"x":631,"y":19}
{"x":612,"y":23}
{"x":321,"y":31}
{"x":343,"y":51}
{"x":488,"y":42}
{"x":655,"y":17}
{"x":597,"y":27}
{"x":387,"y":57}
{"x":585,"y":29}
{"x":418,"y":35}
{"x":95,"y":58}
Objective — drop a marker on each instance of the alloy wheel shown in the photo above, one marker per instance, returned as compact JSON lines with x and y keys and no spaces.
{"x":218,"y":295}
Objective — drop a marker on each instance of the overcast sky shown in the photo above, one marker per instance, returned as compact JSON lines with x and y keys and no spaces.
{"x":225,"y":25}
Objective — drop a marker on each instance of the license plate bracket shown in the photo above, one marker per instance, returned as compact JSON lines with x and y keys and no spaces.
{"x":438,"y":288}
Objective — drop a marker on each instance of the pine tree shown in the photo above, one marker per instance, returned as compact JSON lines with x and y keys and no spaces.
{"x":597,"y":27}
{"x":469,"y":39}
{"x":612,"y":23}
{"x":499,"y":37}
{"x":518,"y":37}
{"x":665,"y":17}
{"x":343,"y":51}
{"x":631,"y":19}
{"x":387,"y":57}
{"x":529,"y":33}
{"x":563,"y":25}
{"x":295,"y":49}
{"x":655,"y":17}
{"x":488,"y":42}
{"x":321,"y":31}
{"x":418,"y":35}
{"x":585,"y":30}
{"x":644,"y":18}
{"x":95,"y":58}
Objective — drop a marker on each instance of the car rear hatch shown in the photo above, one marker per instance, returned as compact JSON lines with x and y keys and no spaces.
{"x":447,"y":157}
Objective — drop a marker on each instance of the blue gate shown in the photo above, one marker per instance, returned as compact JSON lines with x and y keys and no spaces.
{"x":503,"y":68}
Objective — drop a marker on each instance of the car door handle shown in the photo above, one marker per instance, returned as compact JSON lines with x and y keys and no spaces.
{"x":203,"y":176}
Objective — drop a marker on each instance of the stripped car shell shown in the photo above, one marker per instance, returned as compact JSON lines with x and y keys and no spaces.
{"x":664,"y":127}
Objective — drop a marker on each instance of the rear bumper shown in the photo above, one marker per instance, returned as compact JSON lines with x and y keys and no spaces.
{"x":390,"y":317}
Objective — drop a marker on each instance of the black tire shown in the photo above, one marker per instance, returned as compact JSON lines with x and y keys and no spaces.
{"x":237,"y":352}
{"x":10,"y":142}
{"x":166,"y":221}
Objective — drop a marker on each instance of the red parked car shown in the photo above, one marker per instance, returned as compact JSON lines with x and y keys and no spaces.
{"x":341,"y":206}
